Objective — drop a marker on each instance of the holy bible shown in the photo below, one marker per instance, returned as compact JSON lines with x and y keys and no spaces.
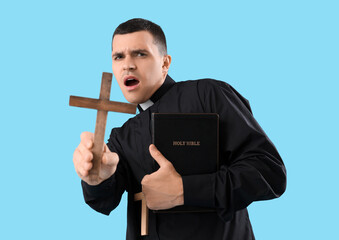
{"x":190,"y":141}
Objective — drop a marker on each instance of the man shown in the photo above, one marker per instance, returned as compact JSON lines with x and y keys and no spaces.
{"x":251,"y":168}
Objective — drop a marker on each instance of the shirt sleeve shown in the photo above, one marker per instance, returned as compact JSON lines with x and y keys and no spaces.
{"x":251,"y":169}
{"x":107,"y":195}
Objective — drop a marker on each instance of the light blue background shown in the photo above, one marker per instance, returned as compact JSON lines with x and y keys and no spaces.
{"x":281,"y":55}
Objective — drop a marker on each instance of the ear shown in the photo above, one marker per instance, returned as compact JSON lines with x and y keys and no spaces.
{"x":166,"y":64}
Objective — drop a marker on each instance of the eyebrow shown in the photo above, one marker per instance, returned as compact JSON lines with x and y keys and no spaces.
{"x":133,"y":51}
{"x":116,"y":54}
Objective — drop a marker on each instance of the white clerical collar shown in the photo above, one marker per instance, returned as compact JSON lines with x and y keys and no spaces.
{"x":146,"y":104}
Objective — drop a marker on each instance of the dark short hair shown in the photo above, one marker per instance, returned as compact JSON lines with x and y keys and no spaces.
{"x":140,"y":24}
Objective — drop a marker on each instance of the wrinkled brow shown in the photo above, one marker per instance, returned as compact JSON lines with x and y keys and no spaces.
{"x":131,"y":51}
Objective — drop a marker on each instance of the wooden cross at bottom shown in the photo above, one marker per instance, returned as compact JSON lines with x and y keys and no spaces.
{"x":144,"y":212}
{"x":103,"y":105}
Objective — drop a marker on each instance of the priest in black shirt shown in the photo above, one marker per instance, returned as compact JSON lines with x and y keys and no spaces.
{"x":250,"y":166}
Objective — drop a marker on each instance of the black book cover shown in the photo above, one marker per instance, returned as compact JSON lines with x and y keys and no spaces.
{"x":190,"y":141}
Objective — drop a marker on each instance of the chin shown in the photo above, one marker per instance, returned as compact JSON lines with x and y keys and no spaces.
{"x":133,"y":100}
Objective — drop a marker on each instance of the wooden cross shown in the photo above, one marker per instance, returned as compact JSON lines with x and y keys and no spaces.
{"x":144,"y":212}
{"x":103,"y":105}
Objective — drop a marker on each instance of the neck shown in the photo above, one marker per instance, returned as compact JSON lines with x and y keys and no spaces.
{"x":166,"y":85}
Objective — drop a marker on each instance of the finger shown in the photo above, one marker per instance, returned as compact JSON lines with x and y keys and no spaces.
{"x":76,"y":155}
{"x":110,"y":158}
{"x":158,"y":157}
{"x":87,"y":166}
{"x":86,"y":154}
{"x":81,"y":170}
{"x":83,"y":173}
{"x":87,"y":138}
{"x":81,"y":167}
{"x":76,"y":161}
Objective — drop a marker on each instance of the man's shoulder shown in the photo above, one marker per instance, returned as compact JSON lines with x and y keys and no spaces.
{"x":209,"y":88}
{"x":203,"y":83}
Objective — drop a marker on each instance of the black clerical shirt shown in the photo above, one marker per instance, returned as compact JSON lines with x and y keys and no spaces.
{"x":251,"y":168}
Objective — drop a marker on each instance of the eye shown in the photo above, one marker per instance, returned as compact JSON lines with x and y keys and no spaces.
{"x":117,"y":57}
{"x":140,"y":54}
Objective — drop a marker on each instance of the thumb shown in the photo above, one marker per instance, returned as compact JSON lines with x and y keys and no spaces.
{"x":158,"y":157}
{"x":106,"y":149}
{"x":110,"y":158}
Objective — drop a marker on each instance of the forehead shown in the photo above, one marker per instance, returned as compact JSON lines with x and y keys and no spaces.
{"x":135,"y":40}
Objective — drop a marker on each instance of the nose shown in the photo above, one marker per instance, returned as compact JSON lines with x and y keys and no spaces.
{"x":129,"y":63}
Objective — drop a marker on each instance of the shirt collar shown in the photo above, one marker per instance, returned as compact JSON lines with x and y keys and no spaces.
{"x":168,"y":83}
{"x":146,"y":104}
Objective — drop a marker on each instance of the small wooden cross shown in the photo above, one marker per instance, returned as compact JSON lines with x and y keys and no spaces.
{"x":144,"y":212}
{"x":103,"y":105}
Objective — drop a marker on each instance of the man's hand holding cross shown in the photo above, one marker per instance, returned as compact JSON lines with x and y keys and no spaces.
{"x":162,"y":189}
{"x":83,"y":158}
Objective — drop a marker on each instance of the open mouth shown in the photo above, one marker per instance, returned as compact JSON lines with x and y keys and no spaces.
{"x":131,"y":82}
